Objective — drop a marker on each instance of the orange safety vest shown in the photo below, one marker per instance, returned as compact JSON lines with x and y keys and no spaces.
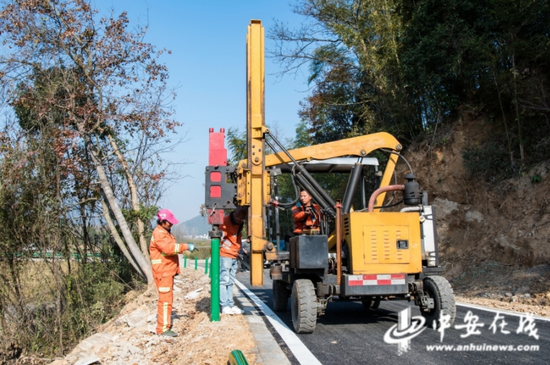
{"x":164,"y":253}
{"x":303,"y":220}
{"x":231,"y":239}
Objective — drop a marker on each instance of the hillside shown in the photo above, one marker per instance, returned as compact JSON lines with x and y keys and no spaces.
{"x":196,"y":226}
{"x":493,"y":236}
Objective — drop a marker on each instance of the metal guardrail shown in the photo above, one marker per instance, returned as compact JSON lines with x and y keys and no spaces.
{"x":49,"y":255}
{"x":236,"y":357}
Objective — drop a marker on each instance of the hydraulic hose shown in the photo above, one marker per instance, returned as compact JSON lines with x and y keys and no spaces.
{"x":381,"y":190}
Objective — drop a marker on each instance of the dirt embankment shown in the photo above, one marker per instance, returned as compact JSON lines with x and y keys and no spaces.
{"x":130,"y":337}
{"x":493,"y":237}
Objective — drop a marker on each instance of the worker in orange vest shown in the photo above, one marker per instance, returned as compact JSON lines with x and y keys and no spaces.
{"x":165,"y":263}
{"x":306,"y":214}
{"x":229,"y":252}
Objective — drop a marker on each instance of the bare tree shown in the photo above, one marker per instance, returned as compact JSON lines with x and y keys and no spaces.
{"x":108,"y":88}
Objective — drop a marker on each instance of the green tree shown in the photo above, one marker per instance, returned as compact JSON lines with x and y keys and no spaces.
{"x":352,"y":49}
{"x":406,"y":67}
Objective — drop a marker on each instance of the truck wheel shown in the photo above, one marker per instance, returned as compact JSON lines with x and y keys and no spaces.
{"x":280,"y":296}
{"x":439,"y":289}
{"x":369,"y":303}
{"x":303,"y":306}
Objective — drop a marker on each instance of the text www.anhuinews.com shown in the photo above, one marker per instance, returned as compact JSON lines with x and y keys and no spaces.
{"x":482,"y":347}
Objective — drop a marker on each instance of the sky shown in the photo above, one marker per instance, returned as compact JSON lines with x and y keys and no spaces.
{"x":208,"y":65}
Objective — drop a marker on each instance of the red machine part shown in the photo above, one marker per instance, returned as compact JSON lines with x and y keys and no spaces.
{"x":217,"y":156}
{"x":217,"y":153}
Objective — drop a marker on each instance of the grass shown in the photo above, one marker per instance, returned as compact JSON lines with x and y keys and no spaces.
{"x":55,"y":302}
{"x":36,"y":278}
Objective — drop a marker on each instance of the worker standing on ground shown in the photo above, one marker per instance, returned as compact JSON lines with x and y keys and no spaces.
{"x":165,"y":263}
{"x":229,"y":253}
{"x":306,"y":215}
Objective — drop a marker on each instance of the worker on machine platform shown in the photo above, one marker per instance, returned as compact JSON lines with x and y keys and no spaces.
{"x":306,"y":215}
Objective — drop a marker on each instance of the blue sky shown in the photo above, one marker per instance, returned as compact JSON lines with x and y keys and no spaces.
{"x":208,"y":63}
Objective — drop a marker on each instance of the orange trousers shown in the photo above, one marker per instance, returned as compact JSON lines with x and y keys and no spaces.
{"x":165,"y":289}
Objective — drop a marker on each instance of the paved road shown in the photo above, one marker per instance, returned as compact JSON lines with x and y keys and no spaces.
{"x":349,"y":334}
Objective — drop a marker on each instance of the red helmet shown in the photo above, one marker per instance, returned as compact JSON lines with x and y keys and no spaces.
{"x":167,"y":215}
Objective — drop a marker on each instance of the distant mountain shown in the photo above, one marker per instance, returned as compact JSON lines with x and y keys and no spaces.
{"x":193,"y":227}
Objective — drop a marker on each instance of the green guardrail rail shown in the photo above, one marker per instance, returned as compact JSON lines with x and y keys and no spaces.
{"x":236,"y":357}
{"x":49,"y":255}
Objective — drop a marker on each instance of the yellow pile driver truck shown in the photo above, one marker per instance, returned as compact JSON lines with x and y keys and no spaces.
{"x":364,"y":253}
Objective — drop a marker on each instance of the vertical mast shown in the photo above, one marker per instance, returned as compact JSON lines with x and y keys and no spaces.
{"x":255,"y":145}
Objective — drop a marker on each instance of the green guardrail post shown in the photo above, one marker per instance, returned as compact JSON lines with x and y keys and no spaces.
{"x":196,"y":263}
{"x":185,"y":262}
{"x":215,"y":276}
{"x":236,"y":357}
{"x":206,"y":266}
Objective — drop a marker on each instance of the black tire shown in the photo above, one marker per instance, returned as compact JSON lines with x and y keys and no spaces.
{"x":439,"y":289}
{"x":367,"y":303}
{"x":303,"y":306}
{"x":280,"y":296}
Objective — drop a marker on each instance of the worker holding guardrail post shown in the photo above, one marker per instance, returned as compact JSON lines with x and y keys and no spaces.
{"x":164,"y":252}
{"x":229,"y":251}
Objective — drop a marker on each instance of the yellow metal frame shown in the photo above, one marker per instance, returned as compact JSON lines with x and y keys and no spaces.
{"x":253,"y":181}
{"x":357,"y":146}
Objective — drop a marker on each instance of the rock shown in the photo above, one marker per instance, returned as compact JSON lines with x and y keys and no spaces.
{"x":503,"y":242}
{"x":473,"y":216}
{"x":444,"y":207}
{"x":88,"y":360}
{"x":204,"y":280}
{"x":60,"y":362}
{"x":153,"y":341}
{"x":136,"y":360}
{"x":95,"y":342}
{"x":521,"y":290}
{"x":507,"y":294}
{"x":137,"y":318}
{"x":123,"y":352}
{"x":194,"y":294}
{"x":133,"y":349}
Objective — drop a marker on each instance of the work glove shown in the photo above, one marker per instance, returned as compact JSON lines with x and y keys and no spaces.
{"x":309,"y":210}
{"x":191,"y":247}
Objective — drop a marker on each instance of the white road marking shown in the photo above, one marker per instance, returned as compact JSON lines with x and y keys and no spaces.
{"x":299,"y":350}
{"x":495,"y":310}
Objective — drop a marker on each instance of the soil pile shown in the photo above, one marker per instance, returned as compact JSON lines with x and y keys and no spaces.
{"x":130,"y":338}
